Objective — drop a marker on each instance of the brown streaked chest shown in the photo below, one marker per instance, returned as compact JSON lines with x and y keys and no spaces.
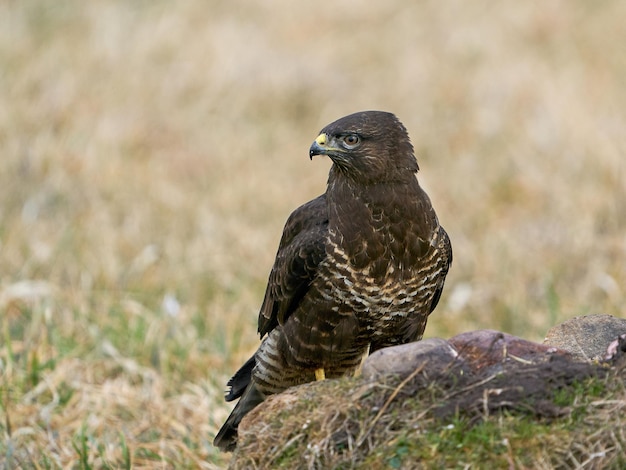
{"x":379,"y":256}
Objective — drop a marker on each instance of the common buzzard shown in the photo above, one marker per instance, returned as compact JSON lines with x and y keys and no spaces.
{"x":358,"y":268}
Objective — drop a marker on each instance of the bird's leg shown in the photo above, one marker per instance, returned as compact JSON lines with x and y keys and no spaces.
{"x":319,"y":374}
{"x":358,"y":370}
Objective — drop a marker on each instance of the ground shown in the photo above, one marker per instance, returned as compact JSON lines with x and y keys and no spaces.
{"x":151,"y":152}
{"x":555,"y":413}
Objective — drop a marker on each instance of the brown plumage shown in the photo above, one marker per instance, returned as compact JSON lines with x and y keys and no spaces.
{"x":360,"y":267}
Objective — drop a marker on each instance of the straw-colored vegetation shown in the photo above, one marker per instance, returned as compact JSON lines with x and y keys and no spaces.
{"x":151,"y":151}
{"x":552,"y":414}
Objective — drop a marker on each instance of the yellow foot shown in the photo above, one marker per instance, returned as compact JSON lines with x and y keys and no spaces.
{"x":358,"y":370}
{"x":319,"y":374}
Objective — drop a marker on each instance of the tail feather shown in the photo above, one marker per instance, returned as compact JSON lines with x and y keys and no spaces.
{"x":239,"y":382}
{"x":226,"y":438}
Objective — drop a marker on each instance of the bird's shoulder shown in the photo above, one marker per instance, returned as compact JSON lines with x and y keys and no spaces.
{"x":300,"y":251}
{"x":307,"y":219}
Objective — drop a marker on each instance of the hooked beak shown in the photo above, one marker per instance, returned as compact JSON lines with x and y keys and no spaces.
{"x":319,"y":146}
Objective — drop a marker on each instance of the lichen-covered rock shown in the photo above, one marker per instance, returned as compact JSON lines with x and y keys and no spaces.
{"x":588,"y":337}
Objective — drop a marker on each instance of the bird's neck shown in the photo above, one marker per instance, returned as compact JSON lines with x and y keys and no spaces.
{"x":372,"y":206}
{"x":378,"y":222}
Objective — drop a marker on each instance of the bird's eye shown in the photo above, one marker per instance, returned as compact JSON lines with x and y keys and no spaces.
{"x":351,"y":140}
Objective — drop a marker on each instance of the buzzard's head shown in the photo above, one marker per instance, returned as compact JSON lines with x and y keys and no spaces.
{"x":370,"y":146}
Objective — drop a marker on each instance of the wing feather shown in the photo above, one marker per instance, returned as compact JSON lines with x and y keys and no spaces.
{"x":301,"y":250}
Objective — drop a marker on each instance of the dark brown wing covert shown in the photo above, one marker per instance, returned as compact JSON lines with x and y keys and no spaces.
{"x":301,"y":249}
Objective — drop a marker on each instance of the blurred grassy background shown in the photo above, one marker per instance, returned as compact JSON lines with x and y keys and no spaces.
{"x":151,"y":152}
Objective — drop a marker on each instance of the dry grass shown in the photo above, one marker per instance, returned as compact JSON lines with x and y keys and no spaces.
{"x":555,"y":414}
{"x":151,"y":152}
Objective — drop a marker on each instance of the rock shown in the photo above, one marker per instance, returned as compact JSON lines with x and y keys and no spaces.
{"x":471,"y":376}
{"x":586,"y":337}
{"x":487,"y":348}
{"x":433,"y":355}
